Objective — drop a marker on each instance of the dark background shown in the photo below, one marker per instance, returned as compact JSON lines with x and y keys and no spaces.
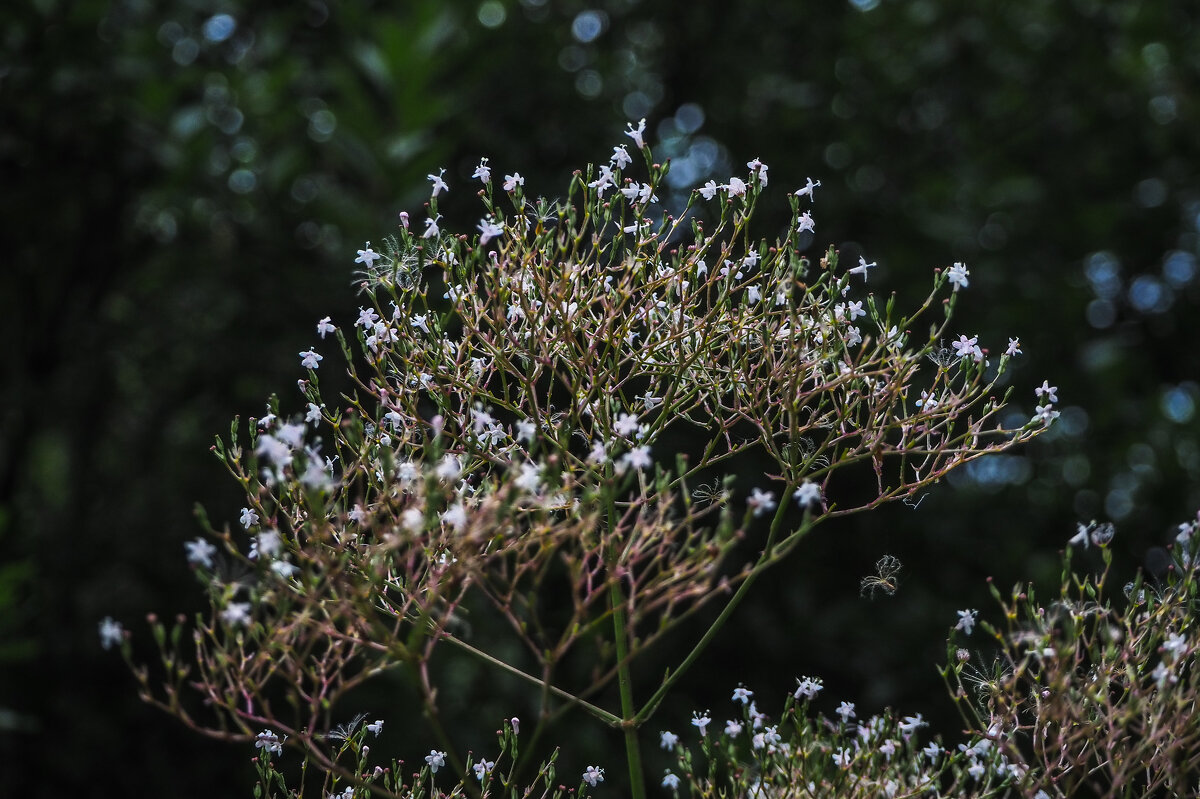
{"x":183,"y":193}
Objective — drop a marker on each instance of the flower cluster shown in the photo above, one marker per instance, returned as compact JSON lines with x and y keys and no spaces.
{"x":507,"y":445}
{"x":807,"y":754}
{"x":1093,"y":695}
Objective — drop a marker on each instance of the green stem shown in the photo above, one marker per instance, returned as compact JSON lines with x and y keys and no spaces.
{"x":629,"y":720}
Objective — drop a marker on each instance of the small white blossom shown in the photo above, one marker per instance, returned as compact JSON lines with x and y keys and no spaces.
{"x":807,"y":493}
{"x":966,"y":620}
{"x":111,"y":632}
{"x":310,"y":359}
{"x":636,"y":133}
{"x":439,"y":184}
{"x":761,"y":501}
{"x":367,"y":256}
{"x":483,"y":171}
{"x":593,"y":775}
{"x":701,"y":721}
{"x":862,"y":268}
{"x":1048,"y":391}
{"x":236,"y":613}
{"x":269,"y":741}
{"x":808,"y":687}
{"x":435,"y":760}
{"x":200,"y":552}
{"x":957,"y":275}
{"x":807,"y":190}
{"x":483,"y":768}
{"x":667,"y":740}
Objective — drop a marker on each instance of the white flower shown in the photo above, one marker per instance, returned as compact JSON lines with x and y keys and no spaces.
{"x":636,"y":133}
{"x":488,"y":230}
{"x":200,"y":552}
{"x":367,"y":256}
{"x":667,"y":740}
{"x":431,"y":228}
{"x":842,"y":758}
{"x":1014,"y":347}
{"x":435,"y":760}
{"x":449,"y":468}
{"x":742,"y":694}
{"x":761,"y":501}
{"x":637,"y":458}
{"x":310,"y":359}
{"x":701,"y":721}
{"x":513,"y":180}
{"x":966,"y":620}
{"x":626,"y":424}
{"x":455,"y":516}
{"x":965,"y":347}
{"x":268,"y":543}
{"x":283,"y":568}
{"x":862,"y":268}
{"x":760,"y":169}
{"x":366,"y":318}
{"x":807,"y":190}
{"x":620,"y":157}
{"x":1050,"y":392}
{"x":599,"y":453}
{"x":807,"y":493}
{"x":736,"y":187}
{"x":670,"y":781}
{"x":529,"y":479}
{"x":593,"y":775}
{"x":846,"y":710}
{"x":438,"y":184}
{"x":483,"y":768}
{"x":270,"y":741}
{"x":733,"y":728}
{"x":111,"y":632}
{"x":249,"y":518}
{"x":808,"y":687}
{"x":806,"y":222}
{"x":236,"y":613}
{"x":957,"y":275}
{"x":1045,"y":414}
{"x":483,"y":171}
{"x":708,"y":190}
{"x":325,"y":326}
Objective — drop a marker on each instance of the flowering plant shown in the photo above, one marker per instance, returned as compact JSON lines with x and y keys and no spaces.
{"x":536,"y":410}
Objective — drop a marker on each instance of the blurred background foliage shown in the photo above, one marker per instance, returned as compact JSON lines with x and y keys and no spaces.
{"x":185,"y":183}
